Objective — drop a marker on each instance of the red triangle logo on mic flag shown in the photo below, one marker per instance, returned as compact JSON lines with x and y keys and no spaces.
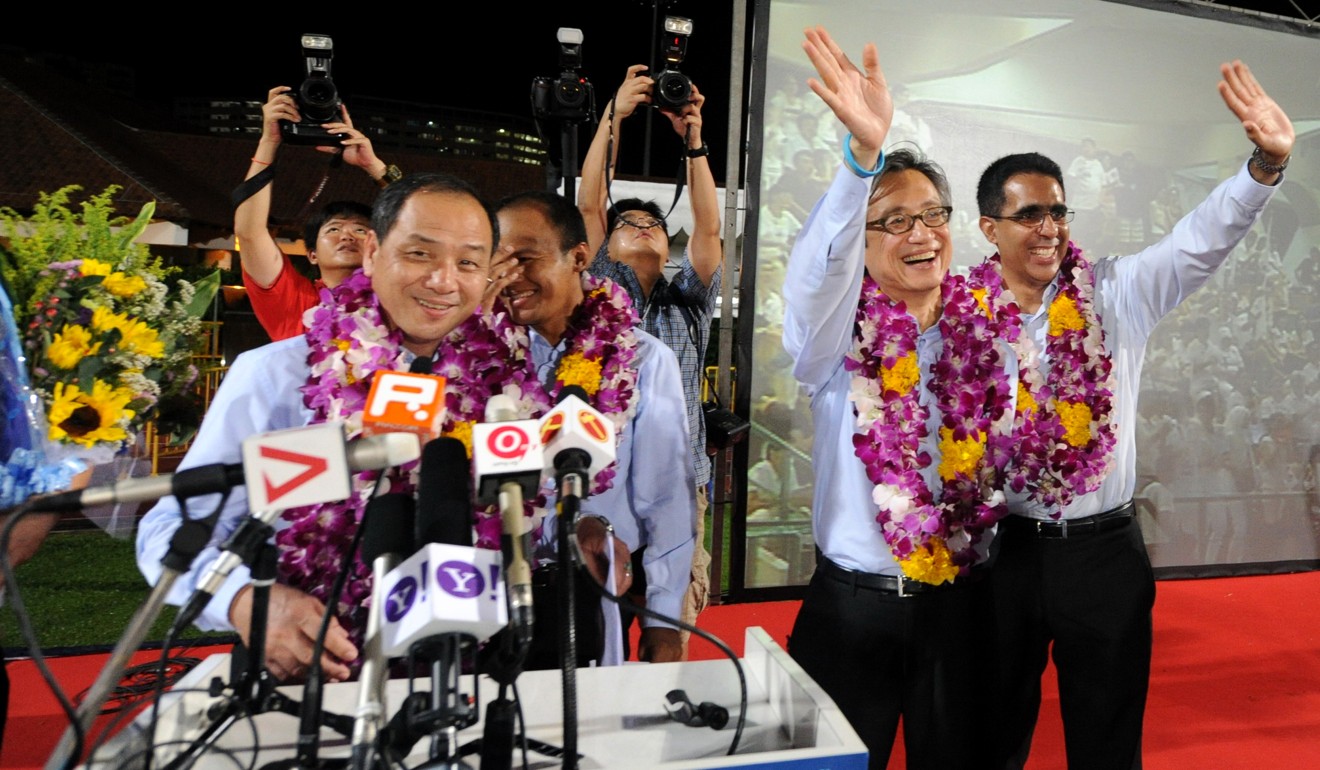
{"x":315,"y":466}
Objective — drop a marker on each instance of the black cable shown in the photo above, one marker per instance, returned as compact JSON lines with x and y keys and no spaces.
{"x":312,"y":688}
{"x":123,"y":715}
{"x":522,"y":723}
{"x":719,"y":643}
{"x":29,"y":634}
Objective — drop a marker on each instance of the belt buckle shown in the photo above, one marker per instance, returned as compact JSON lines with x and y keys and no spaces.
{"x":902,"y":580}
{"x":1042,"y":532}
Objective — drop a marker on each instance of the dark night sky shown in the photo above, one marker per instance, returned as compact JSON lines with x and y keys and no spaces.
{"x":487,"y":61}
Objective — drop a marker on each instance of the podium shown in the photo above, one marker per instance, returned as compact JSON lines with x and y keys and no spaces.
{"x":622,"y":722}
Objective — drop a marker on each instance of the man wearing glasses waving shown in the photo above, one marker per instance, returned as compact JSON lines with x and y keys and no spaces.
{"x":1072,"y":568}
{"x":911,"y":401}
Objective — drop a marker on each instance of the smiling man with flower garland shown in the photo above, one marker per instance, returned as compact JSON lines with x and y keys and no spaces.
{"x":415,"y":296}
{"x":583,"y":333}
{"x":912,"y":400}
{"x":1072,"y":568}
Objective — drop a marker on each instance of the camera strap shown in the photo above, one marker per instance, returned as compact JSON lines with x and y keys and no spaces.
{"x":252,"y":185}
{"x":680,"y":177}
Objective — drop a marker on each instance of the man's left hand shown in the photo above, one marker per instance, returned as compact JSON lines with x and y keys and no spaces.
{"x":1265,"y":122}
{"x":689,"y":118}
{"x":660,"y":645}
{"x":355,"y":145}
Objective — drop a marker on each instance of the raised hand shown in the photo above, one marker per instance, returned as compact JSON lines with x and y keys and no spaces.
{"x":859,"y":99}
{"x":635,"y":90}
{"x":279,"y":106}
{"x":688,"y":119}
{"x":355,"y":146}
{"x":1265,"y":122}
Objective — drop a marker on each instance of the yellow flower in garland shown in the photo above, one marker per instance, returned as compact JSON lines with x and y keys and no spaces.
{"x":1026,"y":403}
{"x":123,"y":285}
{"x":462,"y":431}
{"x":1076,"y":419}
{"x":903,"y":376}
{"x":576,"y":369}
{"x":980,"y":300}
{"x":931,"y":563}
{"x":94,"y":267}
{"x":71,"y":346}
{"x":960,"y":456}
{"x":89,"y":418}
{"x":1064,"y":316}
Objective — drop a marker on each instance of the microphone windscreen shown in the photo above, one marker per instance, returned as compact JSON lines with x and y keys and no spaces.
{"x":573,"y":390}
{"x":444,"y":495}
{"x":421,"y":365}
{"x":389,"y":527}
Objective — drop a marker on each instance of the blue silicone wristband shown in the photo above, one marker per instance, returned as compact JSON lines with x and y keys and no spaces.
{"x":852,"y":162}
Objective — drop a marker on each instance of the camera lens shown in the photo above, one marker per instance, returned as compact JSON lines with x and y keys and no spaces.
{"x":571,"y":94}
{"x":674,"y":89}
{"x":318,"y":100}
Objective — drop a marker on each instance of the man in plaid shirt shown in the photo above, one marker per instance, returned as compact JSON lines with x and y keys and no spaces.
{"x":632,"y":248}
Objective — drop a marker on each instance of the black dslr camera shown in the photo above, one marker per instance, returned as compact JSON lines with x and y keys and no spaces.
{"x":570,"y":96}
{"x":673,"y":89}
{"x":317,"y":98}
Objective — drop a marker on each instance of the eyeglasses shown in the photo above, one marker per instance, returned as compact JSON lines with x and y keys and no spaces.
{"x":641,"y":223}
{"x":897,"y":224}
{"x":1035,"y":216}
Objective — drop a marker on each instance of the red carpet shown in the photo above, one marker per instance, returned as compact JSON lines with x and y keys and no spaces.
{"x":1235,"y":678}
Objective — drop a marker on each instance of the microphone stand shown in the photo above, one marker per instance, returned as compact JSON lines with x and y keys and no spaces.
{"x":571,"y":470}
{"x":254,"y":687}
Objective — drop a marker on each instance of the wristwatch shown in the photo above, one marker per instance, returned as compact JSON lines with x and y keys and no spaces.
{"x":699,"y":152}
{"x":1258,"y":160}
{"x":392,"y":174}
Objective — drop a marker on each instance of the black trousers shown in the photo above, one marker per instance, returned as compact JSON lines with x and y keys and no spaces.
{"x":1091,"y":597}
{"x":879,"y":656}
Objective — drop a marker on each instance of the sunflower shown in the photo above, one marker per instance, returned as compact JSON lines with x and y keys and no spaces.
{"x":103,"y":319}
{"x":71,"y":346}
{"x":123,"y":285}
{"x":142,"y":339}
{"x":89,"y":418}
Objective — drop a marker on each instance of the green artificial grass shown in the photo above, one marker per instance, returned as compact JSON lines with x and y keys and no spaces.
{"x":81,"y":589}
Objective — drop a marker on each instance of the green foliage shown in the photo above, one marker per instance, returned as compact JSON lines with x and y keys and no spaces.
{"x":206,"y":288}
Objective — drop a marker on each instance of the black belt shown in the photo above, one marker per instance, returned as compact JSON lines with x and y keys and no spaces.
{"x":898,"y":585}
{"x":1062,"y":529}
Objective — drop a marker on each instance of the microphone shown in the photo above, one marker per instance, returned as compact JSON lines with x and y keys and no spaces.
{"x":447,"y":586}
{"x":578,"y":440}
{"x":361,"y":454}
{"x":388,"y":535}
{"x":444,"y":509}
{"x":202,"y":480}
{"x":508,"y":465}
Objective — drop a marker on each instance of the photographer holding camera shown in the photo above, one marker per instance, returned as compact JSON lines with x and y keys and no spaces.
{"x":631,"y":243}
{"x":334,"y":236}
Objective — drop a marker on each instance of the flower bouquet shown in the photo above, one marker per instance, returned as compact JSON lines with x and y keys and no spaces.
{"x":104,"y":333}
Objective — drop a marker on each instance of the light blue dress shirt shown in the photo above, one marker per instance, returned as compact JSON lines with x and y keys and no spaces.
{"x":821,"y":289}
{"x":260,"y":393}
{"x":1132,"y":294}
{"x":652,"y":502}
